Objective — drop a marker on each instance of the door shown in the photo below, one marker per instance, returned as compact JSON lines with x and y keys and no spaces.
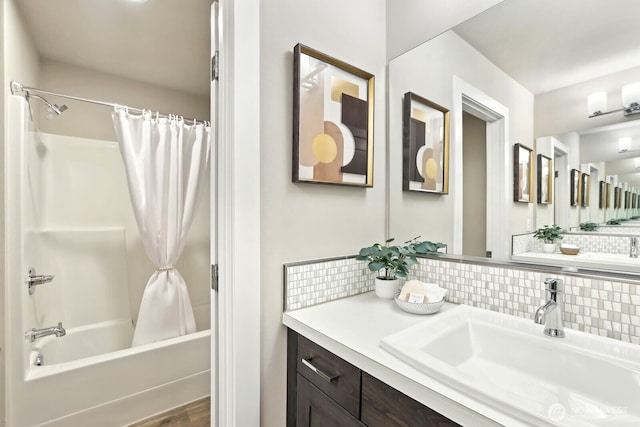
{"x":474,"y":204}
{"x":213,"y":245}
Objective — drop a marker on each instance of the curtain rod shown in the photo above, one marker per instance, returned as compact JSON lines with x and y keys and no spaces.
{"x":18,"y":87}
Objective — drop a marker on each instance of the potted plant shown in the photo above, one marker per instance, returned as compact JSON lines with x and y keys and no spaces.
{"x":588,"y":226}
{"x":549,"y":235}
{"x":614,"y":221}
{"x":392,"y":262}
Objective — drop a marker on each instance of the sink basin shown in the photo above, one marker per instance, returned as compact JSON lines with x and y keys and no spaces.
{"x":507,"y":362}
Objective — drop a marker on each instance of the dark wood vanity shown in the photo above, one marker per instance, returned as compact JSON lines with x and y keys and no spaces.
{"x":325,"y":390}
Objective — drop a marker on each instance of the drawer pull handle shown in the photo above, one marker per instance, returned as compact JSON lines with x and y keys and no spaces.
{"x":321,"y":374}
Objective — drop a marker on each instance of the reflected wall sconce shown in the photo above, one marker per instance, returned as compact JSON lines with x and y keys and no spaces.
{"x":624,"y":144}
{"x":597,"y":102}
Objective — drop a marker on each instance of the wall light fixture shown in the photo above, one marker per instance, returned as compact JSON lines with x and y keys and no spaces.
{"x":624,"y":144}
{"x":597,"y":102}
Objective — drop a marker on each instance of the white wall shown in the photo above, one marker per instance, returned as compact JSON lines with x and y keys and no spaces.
{"x":94,"y":121}
{"x":413,"y":22}
{"x":428,"y":71}
{"x":544,"y":213}
{"x":304,"y":221}
{"x":20,"y":62}
{"x":565,"y":109}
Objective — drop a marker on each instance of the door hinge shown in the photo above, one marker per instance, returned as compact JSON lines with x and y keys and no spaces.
{"x":214,"y":277}
{"x":215,"y":66}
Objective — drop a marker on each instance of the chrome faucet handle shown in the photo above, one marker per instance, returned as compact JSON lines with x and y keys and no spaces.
{"x":553,"y":284}
{"x":34,"y":280}
{"x":633,"y":248}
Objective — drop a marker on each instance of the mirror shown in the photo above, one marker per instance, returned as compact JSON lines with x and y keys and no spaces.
{"x":520,"y":73}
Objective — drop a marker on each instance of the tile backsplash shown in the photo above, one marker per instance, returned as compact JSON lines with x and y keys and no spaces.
{"x":315,"y":282}
{"x":594,"y":242}
{"x":600,"y":306}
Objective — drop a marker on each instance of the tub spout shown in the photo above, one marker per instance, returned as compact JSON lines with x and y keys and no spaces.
{"x":35,"y":334}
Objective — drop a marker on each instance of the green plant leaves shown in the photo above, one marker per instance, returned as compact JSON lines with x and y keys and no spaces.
{"x":549,"y":234}
{"x":395,"y":261}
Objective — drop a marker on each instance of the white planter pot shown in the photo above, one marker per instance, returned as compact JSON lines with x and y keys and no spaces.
{"x":386,"y":288}
{"x":549,"y":248}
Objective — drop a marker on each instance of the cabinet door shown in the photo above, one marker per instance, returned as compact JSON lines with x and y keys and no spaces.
{"x":384,"y":406}
{"x":315,"y":409}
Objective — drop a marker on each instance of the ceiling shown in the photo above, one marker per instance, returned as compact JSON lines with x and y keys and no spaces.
{"x":549,"y":44}
{"x":163,"y":42}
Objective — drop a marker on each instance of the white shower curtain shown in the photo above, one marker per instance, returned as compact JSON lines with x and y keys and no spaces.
{"x":166,"y":162}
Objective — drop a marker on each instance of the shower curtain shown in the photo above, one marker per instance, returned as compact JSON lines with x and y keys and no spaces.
{"x":165,"y":161}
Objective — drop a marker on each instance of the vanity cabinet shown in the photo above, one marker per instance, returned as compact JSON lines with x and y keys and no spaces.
{"x":325,"y":390}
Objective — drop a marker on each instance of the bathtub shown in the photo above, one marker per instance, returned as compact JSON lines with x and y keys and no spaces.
{"x":83,"y":342}
{"x":90,"y":376}
{"x":111,"y":389}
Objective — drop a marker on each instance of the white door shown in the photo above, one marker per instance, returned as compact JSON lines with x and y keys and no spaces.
{"x":214,"y":223}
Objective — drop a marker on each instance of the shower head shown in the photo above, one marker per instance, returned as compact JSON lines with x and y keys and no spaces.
{"x":53,"y":110}
{"x":57,"y":109}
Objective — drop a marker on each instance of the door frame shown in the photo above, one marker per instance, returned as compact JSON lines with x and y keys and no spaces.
{"x":472,"y":100}
{"x":237,"y":368}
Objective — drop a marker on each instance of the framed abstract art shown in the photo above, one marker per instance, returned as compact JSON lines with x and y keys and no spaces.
{"x":522,"y":174}
{"x":545,"y":179}
{"x":425,"y":145}
{"x":332,"y":120}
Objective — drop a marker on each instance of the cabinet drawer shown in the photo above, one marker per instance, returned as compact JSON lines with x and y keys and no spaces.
{"x":383,"y":405}
{"x":337,"y":378}
{"x":315,"y":409}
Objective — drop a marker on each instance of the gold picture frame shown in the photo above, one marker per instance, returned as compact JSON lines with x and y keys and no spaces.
{"x":333,"y":104}
{"x":585,"y":186}
{"x":544,"y":167}
{"x":522,"y":173}
{"x":425,"y":144}
{"x":575,"y":185}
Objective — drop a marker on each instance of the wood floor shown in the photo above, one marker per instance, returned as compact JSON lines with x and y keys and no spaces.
{"x":195,"y":414}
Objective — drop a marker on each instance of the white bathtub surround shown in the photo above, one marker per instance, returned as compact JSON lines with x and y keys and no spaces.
{"x":70,"y":216}
{"x":599,"y":306}
{"x":90,"y":286}
{"x":166,"y":163}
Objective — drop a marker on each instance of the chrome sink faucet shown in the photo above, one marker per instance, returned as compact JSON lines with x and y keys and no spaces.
{"x":633,"y":248}
{"x":35,"y":334}
{"x":551,"y":313}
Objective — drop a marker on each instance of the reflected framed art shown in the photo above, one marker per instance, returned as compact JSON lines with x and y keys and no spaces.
{"x":522,"y":174}
{"x":332,"y":120}
{"x":425,"y":145}
{"x":575,"y":186}
{"x":545,"y":179}
{"x":585,"y":185}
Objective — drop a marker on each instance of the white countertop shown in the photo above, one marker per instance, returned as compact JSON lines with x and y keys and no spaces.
{"x":601,"y":261}
{"x":352,"y":328}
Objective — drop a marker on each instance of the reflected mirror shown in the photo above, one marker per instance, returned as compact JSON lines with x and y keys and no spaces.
{"x":522,"y":72}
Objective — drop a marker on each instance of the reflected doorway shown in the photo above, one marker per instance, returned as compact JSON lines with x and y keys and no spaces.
{"x":561,"y":187}
{"x":474,"y":205}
